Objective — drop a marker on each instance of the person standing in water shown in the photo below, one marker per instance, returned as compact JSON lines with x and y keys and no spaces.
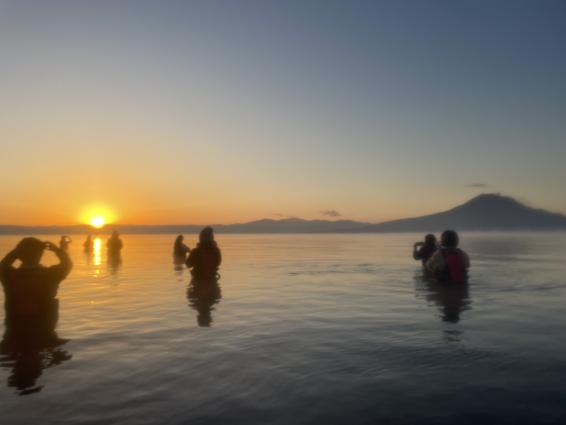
{"x":180,"y":250}
{"x":31,"y":289}
{"x":424,"y":250}
{"x":449,"y":263}
{"x":205,"y":259}
{"x":30,"y":342}
{"x":88,"y":244}
{"x":114,"y":244}
{"x":64,"y":243}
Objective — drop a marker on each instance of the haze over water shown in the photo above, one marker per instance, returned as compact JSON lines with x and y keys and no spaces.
{"x":329,"y":329}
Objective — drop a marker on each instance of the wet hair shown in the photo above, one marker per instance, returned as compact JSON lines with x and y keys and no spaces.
{"x":449,"y":239}
{"x":206,"y":235}
{"x":30,"y":250}
{"x":430,"y":239}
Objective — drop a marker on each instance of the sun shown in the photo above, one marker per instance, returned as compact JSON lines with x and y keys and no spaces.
{"x":97,"y":222}
{"x":97,"y":215}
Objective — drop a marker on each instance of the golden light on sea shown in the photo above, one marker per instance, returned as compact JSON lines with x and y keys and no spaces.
{"x":97,"y":252}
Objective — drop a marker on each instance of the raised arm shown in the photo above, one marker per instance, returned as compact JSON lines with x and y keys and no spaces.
{"x":65,"y":264}
{"x":8,"y":261}
{"x":417,"y":250}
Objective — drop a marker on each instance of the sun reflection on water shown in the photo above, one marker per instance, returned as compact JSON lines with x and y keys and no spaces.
{"x":97,"y":252}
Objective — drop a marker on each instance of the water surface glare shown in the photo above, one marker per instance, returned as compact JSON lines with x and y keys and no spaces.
{"x":305,"y":329}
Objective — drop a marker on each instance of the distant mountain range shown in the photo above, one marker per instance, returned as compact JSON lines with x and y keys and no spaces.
{"x":487,"y":212}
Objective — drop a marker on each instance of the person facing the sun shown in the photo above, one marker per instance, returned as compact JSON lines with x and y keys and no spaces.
{"x":205,"y":259}
{"x":114,"y":244}
{"x":31,"y":289}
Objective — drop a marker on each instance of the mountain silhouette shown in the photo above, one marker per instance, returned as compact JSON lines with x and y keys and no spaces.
{"x":486,"y":212}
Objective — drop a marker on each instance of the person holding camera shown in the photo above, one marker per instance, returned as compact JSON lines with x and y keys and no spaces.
{"x":424,"y":250}
{"x":31,"y":289}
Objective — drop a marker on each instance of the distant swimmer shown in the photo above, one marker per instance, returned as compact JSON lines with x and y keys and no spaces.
{"x":205,"y":259}
{"x":31,"y":289}
{"x":424,"y":250}
{"x":64,"y":242}
{"x":114,"y":244}
{"x":88,"y":244}
{"x":449,"y":263}
{"x":180,"y":250}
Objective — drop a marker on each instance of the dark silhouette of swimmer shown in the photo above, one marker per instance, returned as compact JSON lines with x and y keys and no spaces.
{"x":64,"y":243}
{"x":202,"y":296}
{"x":449,"y":263}
{"x":114,"y":253}
{"x":205,"y":259}
{"x":424,"y":250}
{"x":30,"y":343}
{"x":180,"y":251}
{"x":88,"y":244}
{"x":114,"y":244}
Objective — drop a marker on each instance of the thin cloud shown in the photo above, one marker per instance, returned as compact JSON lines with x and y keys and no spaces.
{"x":477,"y":185}
{"x":331,"y":213}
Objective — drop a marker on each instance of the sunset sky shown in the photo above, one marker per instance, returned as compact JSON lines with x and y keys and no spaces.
{"x":228,"y":111}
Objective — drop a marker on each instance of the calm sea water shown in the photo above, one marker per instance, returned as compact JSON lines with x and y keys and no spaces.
{"x":322,"y":329}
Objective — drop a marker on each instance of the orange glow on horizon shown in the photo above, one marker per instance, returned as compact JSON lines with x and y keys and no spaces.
{"x":97,"y":216}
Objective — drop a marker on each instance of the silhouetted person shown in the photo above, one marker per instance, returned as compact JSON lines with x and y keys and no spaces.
{"x":88,"y":244}
{"x":64,"y":243}
{"x":206,"y":257}
{"x":180,"y":251}
{"x":449,"y":263}
{"x":424,"y":250}
{"x":114,"y":244}
{"x":202,"y":296}
{"x":31,"y":311}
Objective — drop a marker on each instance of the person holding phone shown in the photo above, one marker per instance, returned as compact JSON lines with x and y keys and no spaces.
{"x":31,"y":289}
{"x":424,"y":250}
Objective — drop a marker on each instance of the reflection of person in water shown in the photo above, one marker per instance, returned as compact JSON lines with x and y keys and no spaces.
{"x":88,"y":244}
{"x":64,"y":242}
{"x":451,"y":300}
{"x":180,"y":251}
{"x":31,"y":312}
{"x":206,"y":257}
{"x":202,"y":296}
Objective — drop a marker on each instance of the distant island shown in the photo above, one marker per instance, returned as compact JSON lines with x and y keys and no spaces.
{"x":486,"y":212}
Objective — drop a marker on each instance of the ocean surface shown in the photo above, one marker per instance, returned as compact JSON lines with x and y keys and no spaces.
{"x":303,"y":329}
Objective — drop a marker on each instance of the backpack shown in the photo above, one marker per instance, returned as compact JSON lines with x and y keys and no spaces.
{"x":455,"y":270}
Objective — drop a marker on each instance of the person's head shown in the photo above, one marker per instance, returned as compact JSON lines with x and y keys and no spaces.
{"x":206,"y":235}
{"x":449,"y":239}
{"x":30,"y":251}
{"x":430,"y":239}
{"x":115,"y":234}
{"x":179,"y":239}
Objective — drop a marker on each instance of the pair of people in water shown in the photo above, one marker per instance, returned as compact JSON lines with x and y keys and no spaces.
{"x":446,"y":261}
{"x":204,"y":260}
{"x":114,"y":244}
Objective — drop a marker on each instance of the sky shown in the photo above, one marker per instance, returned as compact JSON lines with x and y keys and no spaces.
{"x":228,"y":111}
